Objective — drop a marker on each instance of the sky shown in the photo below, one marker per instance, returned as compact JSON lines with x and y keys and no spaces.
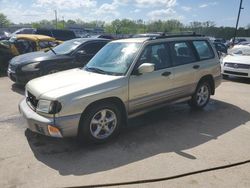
{"x":222,"y":12}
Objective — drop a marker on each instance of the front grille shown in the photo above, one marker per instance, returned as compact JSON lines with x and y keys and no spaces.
{"x":236,"y":73}
{"x":32,"y":100}
{"x":237,"y":65}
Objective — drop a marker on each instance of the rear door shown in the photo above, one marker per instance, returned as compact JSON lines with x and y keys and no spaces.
{"x":185,"y":67}
{"x":208,"y":63}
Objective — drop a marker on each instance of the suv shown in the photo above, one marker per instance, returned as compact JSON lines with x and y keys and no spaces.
{"x":125,"y":78}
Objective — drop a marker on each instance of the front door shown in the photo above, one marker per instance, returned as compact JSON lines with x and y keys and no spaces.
{"x":152,"y":88}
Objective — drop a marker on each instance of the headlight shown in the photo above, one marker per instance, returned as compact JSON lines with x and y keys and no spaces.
{"x":31,"y":67}
{"x":48,"y":107}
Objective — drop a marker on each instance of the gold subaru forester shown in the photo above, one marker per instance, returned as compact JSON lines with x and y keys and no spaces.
{"x":126,"y":78}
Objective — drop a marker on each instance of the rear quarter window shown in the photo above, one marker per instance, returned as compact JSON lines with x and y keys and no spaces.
{"x":203,"y":49}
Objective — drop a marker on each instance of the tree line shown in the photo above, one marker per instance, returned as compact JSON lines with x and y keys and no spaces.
{"x":127,"y":26}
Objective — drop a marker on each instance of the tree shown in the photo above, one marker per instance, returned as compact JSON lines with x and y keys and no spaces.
{"x":4,"y":22}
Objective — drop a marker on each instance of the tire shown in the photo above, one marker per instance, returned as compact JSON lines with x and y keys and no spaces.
{"x":94,"y":126}
{"x":201,"y":96}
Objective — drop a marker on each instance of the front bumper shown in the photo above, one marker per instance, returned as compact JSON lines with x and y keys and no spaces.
{"x":22,"y":78}
{"x":67,"y":125}
{"x":35,"y":122}
{"x":239,"y":72}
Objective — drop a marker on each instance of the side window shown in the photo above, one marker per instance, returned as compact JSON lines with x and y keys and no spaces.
{"x":25,"y":46}
{"x":181,"y":53}
{"x":157,"y":55}
{"x":93,"y":48}
{"x":203,"y":49}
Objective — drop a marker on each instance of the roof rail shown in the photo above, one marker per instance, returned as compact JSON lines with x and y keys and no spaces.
{"x":173,"y":35}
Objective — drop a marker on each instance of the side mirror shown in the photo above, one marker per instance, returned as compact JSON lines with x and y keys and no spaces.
{"x":146,"y":68}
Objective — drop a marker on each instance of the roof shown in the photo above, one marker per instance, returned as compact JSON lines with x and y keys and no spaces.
{"x":34,"y":37}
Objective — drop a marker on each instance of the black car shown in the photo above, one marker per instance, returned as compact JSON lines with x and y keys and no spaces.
{"x":70,"y":54}
{"x":58,"y":34}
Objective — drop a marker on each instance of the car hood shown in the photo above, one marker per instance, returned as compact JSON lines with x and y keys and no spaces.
{"x":36,"y":57}
{"x":63,"y":83}
{"x":242,"y":59}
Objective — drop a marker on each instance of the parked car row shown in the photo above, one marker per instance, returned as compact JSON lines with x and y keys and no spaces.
{"x":70,"y":54}
{"x":58,"y":34}
{"x":24,"y":43}
{"x":125,"y":78}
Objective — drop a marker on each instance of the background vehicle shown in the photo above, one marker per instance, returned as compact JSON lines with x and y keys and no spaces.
{"x":70,"y":54}
{"x":220,"y":40}
{"x":4,"y":35}
{"x":125,"y":78}
{"x":25,"y":43}
{"x":220,"y":47}
{"x":58,"y":34}
{"x":237,"y":62}
{"x":21,"y":44}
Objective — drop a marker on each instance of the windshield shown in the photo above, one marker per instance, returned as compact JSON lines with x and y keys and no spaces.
{"x":67,"y":47}
{"x":240,"y":50}
{"x":115,"y":58}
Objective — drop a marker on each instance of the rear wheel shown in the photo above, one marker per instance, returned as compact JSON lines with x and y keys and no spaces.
{"x":201,"y":96}
{"x":100,"y":123}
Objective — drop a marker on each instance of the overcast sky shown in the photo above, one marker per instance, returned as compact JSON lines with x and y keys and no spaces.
{"x":222,"y":12}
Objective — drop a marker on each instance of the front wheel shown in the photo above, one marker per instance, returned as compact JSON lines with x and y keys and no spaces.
{"x":201,"y":96}
{"x":100,"y":123}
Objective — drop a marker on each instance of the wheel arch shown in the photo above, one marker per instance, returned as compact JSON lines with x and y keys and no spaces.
{"x":210,"y":79}
{"x":115,"y":100}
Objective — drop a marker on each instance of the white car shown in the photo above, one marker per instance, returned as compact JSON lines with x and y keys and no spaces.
{"x":237,"y":62}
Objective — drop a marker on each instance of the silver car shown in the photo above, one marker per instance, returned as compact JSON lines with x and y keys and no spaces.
{"x":125,"y":78}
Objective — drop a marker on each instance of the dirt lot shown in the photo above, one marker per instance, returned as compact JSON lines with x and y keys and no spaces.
{"x":167,"y":142}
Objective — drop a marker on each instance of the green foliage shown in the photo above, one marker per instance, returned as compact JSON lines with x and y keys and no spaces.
{"x":127,"y":26}
{"x":4,"y":22}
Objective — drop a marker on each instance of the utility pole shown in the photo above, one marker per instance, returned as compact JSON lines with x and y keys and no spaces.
{"x":237,"y":23}
{"x":63,"y":22}
{"x":56,"y":18}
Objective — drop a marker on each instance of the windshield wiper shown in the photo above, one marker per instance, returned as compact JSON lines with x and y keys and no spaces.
{"x":94,"y":69}
{"x":52,"y":50}
{"x":48,"y":46}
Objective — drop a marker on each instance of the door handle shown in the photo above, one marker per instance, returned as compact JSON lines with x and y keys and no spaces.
{"x":196,"y":66}
{"x":166,"y":74}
